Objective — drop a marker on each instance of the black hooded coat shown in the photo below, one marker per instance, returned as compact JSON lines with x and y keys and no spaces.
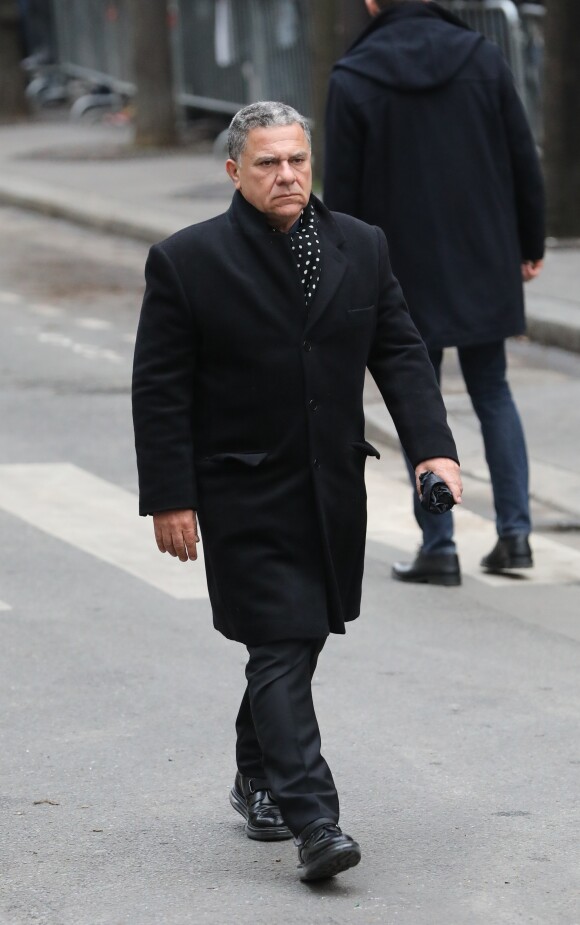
{"x":427,"y":138}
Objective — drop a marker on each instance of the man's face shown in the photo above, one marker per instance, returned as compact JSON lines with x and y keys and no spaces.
{"x":274,"y":173}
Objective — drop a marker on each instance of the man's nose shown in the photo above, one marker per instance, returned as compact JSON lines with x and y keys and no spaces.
{"x":285,"y":173}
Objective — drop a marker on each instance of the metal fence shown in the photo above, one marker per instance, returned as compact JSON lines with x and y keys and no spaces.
{"x":519,"y":34}
{"x":93,"y":39}
{"x":532,"y":19}
{"x":226,"y":52}
{"x":231,"y":52}
{"x":499,"y":20}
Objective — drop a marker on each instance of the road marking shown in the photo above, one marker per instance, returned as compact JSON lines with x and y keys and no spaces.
{"x":93,"y":324}
{"x":391,"y":522}
{"x":99,"y":518}
{"x":10,"y":298}
{"x":87,"y":351}
{"x":4,"y":606}
{"x":46,"y":311}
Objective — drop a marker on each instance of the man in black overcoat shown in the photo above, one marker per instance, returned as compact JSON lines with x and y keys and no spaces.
{"x":427,"y":139}
{"x":256,"y":330}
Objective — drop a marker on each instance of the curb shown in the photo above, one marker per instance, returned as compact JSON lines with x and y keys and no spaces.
{"x":94,"y":212}
{"x":552,"y":333}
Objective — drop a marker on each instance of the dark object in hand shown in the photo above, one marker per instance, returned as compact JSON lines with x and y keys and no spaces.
{"x":435,"y":495}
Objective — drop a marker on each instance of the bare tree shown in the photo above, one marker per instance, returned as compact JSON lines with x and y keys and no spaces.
{"x":155,"y":120}
{"x":562,"y":117}
{"x":13,"y":102}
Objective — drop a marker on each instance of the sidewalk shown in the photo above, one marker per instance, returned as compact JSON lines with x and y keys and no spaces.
{"x":87,"y":174}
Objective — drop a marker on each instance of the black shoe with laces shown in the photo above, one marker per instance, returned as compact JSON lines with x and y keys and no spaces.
{"x":324,"y":851}
{"x":251,"y":798}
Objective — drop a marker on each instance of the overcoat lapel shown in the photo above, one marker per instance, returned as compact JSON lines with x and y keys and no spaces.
{"x":333,"y":263}
{"x":271,"y":259}
{"x":275,"y":258}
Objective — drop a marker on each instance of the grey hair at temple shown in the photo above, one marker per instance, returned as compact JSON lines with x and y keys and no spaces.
{"x":261,"y":115}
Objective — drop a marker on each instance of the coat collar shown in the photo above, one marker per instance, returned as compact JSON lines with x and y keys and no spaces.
{"x":333,"y":261}
{"x":252,"y":221}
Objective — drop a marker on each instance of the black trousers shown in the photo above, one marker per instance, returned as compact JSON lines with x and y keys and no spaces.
{"x":278,"y":739}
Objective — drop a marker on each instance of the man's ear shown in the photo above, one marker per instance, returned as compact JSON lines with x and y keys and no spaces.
{"x":233,"y":172}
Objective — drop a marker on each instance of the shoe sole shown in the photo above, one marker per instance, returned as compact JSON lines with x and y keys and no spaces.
{"x":447,"y":581}
{"x":279,"y":833}
{"x":514,"y":566}
{"x":331,"y":862}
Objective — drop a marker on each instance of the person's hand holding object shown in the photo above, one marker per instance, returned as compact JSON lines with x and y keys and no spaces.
{"x":176,"y":533}
{"x":447,"y":469}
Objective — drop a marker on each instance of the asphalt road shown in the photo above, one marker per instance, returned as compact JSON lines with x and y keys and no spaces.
{"x":449,"y":716}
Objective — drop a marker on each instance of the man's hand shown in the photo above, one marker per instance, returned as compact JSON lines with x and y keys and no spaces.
{"x":531,"y":269}
{"x":447,"y":469}
{"x":176,"y":533}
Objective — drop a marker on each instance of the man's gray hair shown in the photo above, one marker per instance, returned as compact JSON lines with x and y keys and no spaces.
{"x":261,"y":115}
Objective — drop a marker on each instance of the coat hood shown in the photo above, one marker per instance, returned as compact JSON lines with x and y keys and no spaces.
{"x":412,"y":46}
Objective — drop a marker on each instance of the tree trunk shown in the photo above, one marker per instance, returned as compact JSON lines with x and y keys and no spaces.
{"x":562,"y":118}
{"x":155,"y":118}
{"x":13,"y":102}
{"x":354,"y":17}
{"x":333,"y":26}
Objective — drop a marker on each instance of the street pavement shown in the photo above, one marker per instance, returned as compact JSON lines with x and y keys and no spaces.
{"x":449,"y":716}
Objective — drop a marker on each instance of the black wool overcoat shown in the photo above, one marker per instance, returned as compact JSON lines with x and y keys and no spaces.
{"x":427,"y":138}
{"x":250,"y":411}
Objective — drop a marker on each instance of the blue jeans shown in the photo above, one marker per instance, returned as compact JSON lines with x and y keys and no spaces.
{"x":484,"y":372}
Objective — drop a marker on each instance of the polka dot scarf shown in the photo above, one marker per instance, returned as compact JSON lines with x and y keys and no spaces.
{"x":306,"y":249}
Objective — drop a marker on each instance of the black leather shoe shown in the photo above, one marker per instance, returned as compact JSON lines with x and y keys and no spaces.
{"x":429,"y":568}
{"x":251,"y":798}
{"x":510,"y":552}
{"x":324,"y":850}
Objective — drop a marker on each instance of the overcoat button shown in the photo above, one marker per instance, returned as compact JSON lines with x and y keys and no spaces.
{"x":307,"y":346}
{"x":312,"y":405}
{"x":316,"y":463}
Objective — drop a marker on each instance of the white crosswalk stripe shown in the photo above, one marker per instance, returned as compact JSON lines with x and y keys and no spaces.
{"x":391,"y":522}
{"x":10,"y":298}
{"x":4,"y":606}
{"x":98,"y":518}
{"x":101,"y":519}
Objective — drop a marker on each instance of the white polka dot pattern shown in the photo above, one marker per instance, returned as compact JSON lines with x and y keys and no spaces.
{"x":306,"y":249}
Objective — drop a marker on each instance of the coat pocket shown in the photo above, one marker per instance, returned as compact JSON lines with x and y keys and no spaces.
{"x":360,"y":315}
{"x":247,"y":459}
{"x":367,"y":448}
